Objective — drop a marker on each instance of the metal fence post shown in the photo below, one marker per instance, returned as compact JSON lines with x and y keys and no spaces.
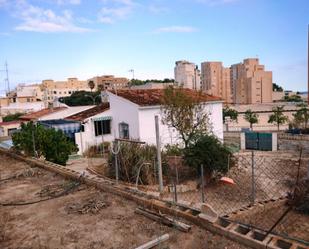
{"x":252,"y":178}
{"x":116,"y":151}
{"x":159,"y":153}
{"x":203,"y":184}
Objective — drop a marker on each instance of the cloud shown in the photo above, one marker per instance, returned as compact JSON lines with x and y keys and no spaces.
{"x":115,"y":10}
{"x":175,"y":29}
{"x":36,"y":19}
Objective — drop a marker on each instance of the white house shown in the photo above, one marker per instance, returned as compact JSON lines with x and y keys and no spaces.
{"x":96,"y":127}
{"x":134,"y":112}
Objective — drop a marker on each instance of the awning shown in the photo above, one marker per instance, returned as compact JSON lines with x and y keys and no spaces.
{"x":102,"y":118}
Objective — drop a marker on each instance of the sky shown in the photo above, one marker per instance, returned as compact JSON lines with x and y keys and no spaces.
{"x":58,"y":39}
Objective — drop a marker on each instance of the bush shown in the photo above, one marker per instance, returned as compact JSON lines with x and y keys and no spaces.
{"x":12,"y":117}
{"x":50,"y":143}
{"x":131,"y":156}
{"x":208,"y":151}
{"x":96,"y":150}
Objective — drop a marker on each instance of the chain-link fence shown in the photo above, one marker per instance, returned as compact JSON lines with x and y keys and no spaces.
{"x":257,"y":190}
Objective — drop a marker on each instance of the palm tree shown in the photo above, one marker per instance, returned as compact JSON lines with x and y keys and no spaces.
{"x":278,"y":117}
{"x":251,"y":117}
{"x":91,"y":85}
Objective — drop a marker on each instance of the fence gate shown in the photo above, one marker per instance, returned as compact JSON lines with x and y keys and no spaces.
{"x":258,"y":141}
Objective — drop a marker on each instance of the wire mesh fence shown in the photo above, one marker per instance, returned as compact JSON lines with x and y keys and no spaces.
{"x":259,"y":188}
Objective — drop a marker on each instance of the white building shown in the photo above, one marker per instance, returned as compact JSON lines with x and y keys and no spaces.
{"x":187,"y":75}
{"x":96,"y":127}
{"x":134,"y":114}
{"x":34,"y":90}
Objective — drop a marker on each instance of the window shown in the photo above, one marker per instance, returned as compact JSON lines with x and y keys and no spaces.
{"x":55,"y":92}
{"x":124,"y":130}
{"x":102,"y":127}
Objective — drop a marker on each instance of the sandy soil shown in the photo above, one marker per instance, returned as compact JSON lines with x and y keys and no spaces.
{"x":57,"y":224}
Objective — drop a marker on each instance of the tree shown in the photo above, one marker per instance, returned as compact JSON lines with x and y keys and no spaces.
{"x":231,"y":113}
{"x":91,"y":85}
{"x":277,"y":88}
{"x":278,"y":117}
{"x":36,"y":140}
{"x":209,"y":152}
{"x":12,"y":117}
{"x":80,"y":98}
{"x":302,"y":115}
{"x":292,"y":98}
{"x":185,"y":113}
{"x":251,"y":117}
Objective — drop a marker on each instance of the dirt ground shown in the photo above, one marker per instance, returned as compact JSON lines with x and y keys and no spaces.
{"x":294,"y":224}
{"x":83,"y":218}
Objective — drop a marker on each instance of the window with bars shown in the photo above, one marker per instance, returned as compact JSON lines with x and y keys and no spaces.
{"x":124,"y":131}
{"x":102,"y":127}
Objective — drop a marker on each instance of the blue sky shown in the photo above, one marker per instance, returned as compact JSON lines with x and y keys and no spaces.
{"x":58,"y":39}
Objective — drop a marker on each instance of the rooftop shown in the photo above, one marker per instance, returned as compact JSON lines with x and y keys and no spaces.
{"x":89,"y":113}
{"x":149,"y":97}
{"x":41,"y":113}
{"x":10,"y":123}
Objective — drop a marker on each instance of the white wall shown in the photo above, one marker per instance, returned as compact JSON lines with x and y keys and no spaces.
{"x":124,"y":111}
{"x":169,"y":135}
{"x":147,"y":130}
{"x":87,"y":138}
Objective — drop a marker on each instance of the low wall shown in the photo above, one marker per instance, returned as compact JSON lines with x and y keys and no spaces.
{"x":293,"y":142}
{"x":232,"y":139}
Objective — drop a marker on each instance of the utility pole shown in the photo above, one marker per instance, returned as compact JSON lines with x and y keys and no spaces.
{"x":308,"y":68}
{"x":7,"y":76}
{"x":159,"y":154}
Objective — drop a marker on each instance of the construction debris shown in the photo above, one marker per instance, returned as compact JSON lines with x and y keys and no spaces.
{"x":91,"y":205}
{"x":52,"y":190}
{"x":154,"y":242}
{"x":163,"y":219}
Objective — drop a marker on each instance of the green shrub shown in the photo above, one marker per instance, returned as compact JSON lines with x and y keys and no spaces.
{"x":208,"y":151}
{"x":50,"y":143}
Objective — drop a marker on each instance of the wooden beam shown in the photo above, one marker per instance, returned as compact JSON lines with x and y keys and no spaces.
{"x":163,"y":219}
{"x":154,"y":242}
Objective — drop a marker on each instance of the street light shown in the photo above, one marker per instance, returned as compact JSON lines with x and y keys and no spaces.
{"x":93,"y":98}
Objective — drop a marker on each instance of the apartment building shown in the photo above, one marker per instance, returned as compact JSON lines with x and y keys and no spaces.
{"x":242,"y":83}
{"x":33,"y":92}
{"x":216,"y":80}
{"x":109,"y":82}
{"x":250,"y":82}
{"x":56,"y":89}
{"x":187,"y":75}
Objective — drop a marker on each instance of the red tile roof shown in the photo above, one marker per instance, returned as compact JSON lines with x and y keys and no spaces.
{"x":149,"y":97}
{"x":41,"y":113}
{"x":10,"y":122}
{"x":89,"y":112}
